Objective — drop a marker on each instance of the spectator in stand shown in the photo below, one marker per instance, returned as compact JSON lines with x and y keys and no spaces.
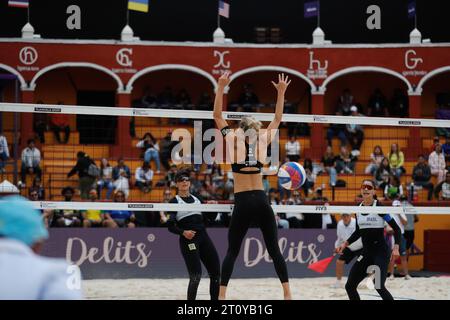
{"x":166,"y":99}
{"x":166,"y":145}
{"x":436,"y":161}
{"x":144,"y":178}
{"x":266,"y":183}
{"x":91,"y":217}
{"x":375,"y":160}
{"x":31,"y":158}
{"x":33,"y":195}
{"x":435,"y":142}
{"x":248,"y":99}
{"x":310,"y":177}
{"x":345,"y":162}
{"x":393,"y":189}
{"x":443,"y":112}
{"x":295,"y":219}
{"x":345,"y":102}
{"x":105,"y":179}
{"x":329,"y":164}
{"x":205,"y":102}
{"x":40,"y":124}
{"x":121,"y":175}
{"x":442,"y":191}
{"x":60,"y":122}
{"x":38,"y":188}
{"x":229,"y":186}
{"x":377,"y":106}
{"x":119,"y":218}
{"x":382,"y":174}
{"x":399,"y":106}
{"x":67,"y":217}
{"x":86,"y":181}
{"x":355,"y":133}
{"x":446,"y":149}
{"x":4,"y":151}
{"x":170,"y":176}
{"x":292,"y":148}
{"x":422,"y":174}
{"x":148,"y":99}
{"x":184,"y":100}
{"x":396,"y":160}
{"x":196,"y":184}
{"x":150,"y":149}
{"x":281,"y":223}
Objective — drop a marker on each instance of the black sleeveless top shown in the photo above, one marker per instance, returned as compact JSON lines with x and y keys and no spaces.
{"x":250,"y":158}
{"x":250,"y":162}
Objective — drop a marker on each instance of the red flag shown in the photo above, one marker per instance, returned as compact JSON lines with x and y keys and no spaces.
{"x":321,"y":265}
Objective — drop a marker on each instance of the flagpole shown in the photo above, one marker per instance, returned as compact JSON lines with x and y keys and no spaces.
{"x":318,"y":17}
{"x":128,"y":16}
{"x":28,"y":12}
{"x":218,"y":15}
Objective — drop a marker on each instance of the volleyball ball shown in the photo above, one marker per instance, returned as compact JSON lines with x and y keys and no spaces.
{"x":291,"y":175}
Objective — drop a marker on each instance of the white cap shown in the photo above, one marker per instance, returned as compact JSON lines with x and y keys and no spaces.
{"x":396,"y":203}
{"x":354,"y":109}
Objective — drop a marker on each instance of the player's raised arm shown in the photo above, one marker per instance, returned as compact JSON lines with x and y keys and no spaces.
{"x":224,"y":80}
{"x":281,"y":86}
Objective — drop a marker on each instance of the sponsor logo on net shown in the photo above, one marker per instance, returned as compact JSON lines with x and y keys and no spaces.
{"x":140,"y":112}
{"x":320,"y":119}
{"x":48,"y":205}
{"x":44,"y":109}
{"x":409,"y":122}
{"x":140,"y":205}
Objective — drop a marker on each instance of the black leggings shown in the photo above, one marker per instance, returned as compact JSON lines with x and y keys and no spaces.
{"x":252,"y":206}
{"x":201,"y":249}
{"x":358,"y":273}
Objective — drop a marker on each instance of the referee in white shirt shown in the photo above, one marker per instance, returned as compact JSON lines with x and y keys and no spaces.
{"x":345,"y":227}
{"x":24,"y":275}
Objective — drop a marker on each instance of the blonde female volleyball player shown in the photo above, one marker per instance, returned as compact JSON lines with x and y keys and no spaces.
{"x":251,"y":203}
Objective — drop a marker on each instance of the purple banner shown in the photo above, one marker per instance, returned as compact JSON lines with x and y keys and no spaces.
{"x":155,"y":253}
{"x":311,"y":9}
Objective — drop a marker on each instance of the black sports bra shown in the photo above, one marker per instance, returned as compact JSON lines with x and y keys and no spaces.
{"x":253,"y":163}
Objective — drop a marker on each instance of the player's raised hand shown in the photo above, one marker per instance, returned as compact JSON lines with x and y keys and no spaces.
{"x":224,"y":80}
{"x":283,"y":83}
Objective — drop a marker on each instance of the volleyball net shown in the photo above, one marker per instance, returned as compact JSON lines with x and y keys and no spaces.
{"x":123,"y":142}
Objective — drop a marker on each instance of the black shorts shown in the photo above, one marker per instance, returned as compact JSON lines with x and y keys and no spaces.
{"x":348,"y":255}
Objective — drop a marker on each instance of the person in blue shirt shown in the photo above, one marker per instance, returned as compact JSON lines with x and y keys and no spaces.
{"x":119,"y":218}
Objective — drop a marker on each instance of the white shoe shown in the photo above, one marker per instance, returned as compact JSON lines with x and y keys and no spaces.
{"x":407,"y":277}
{"x":369,"y":282}
{"x":355,"y":153}
{"x":337,"y":285}
{"x":391,"y":277}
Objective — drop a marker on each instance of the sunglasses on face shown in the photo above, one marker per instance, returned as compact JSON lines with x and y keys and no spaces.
{"x":34,"y":194}
{"x":366,"y":187}
{"x":183,"y":179}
